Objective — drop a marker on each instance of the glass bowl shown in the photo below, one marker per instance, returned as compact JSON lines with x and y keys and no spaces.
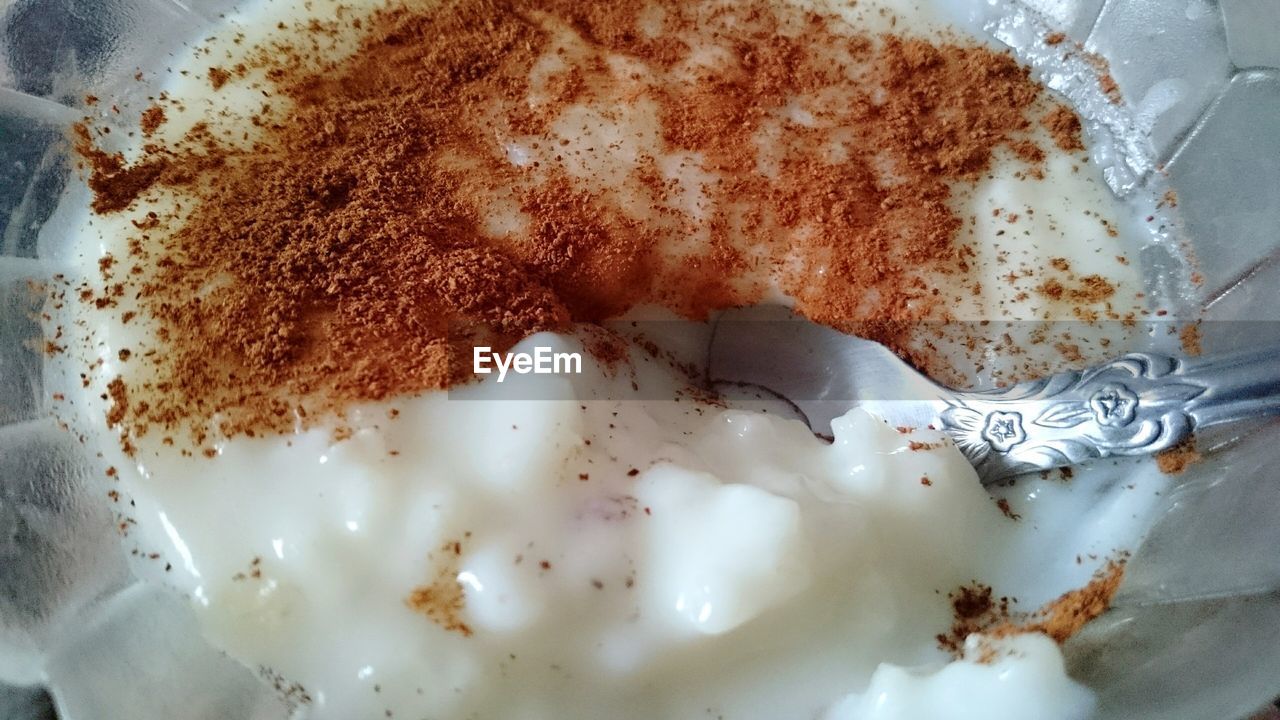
{"x":1195,"y":629}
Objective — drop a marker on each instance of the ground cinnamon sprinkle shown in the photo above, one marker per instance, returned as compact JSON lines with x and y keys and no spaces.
{"x":118,"y":393}
{"x":1007,"y":510}
{"x":1064,"y":617}
{"x":976,"y":610}
{"x":358,"y":248}
{"x":218,"y":77}
{"x":1178,"y":458}
{"x":1064,"y":127}
{"x":152,"y":118}
{"x":115,"y":185}
{"x":1088,"y":289}
{"x":1092,"y":288}
{"x":443,"y":601}
{"x":1189,"y":338}
{"x":1109,"y":87}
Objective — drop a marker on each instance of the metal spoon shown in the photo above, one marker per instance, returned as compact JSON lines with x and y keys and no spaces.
{"x":1137,"y":404}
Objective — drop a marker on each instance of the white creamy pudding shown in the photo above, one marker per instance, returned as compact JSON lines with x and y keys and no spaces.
{"x":602,"y":558}
{"x":287,"y":270}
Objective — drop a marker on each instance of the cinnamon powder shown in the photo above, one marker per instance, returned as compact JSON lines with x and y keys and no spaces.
{"x":1190,"y":339}
{"x":443,"y":601}
{"x":152,"y":118}
{"x":346,"y":256}
{"x":218,"y":77}
{"x":1178,"y":458}
{"x":1064,"y":126}
{"x":976,"y":610}
{"x":1064,"y":617}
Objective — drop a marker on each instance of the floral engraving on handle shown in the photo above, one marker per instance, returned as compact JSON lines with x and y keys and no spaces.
{"x":1003,"y":430}
{"x":1113,"y":405}
{"x":1126,"y":407}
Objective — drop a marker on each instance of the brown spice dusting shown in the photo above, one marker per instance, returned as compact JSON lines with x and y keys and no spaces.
{"x":1031,"y":154}
{"x":444,"y":599}
{"x":1093,"y":288}
{"x":152,"y":118}
{"x":1064,"y":617}
{"x":1007,"y":509}
{"x":1178,"y":458}
{"x":1064,"y":127}
{"x":1189,"y":337}
{"x":347,"y":255}
{"x":119,"y":395}
{"x":976,"y":610}
{"x":115,"y":185}
{"x":218,"y":77}
{"x":1054,"y":38}
{"x":1109,"y":87}
{"x":1052,"y":289}
{"x":1088,"y":289}
{"x":1069,"y":351}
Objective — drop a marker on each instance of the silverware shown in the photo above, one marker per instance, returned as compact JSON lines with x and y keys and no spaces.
{"x":1137,"y":404}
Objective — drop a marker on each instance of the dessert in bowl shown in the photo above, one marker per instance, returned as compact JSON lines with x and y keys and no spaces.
{"x":288,"y":250}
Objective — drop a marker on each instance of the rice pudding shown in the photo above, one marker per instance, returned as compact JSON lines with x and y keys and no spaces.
{"x":290,"y":261}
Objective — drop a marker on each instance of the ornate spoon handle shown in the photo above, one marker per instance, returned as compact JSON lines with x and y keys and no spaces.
{"x":1140,"y":403}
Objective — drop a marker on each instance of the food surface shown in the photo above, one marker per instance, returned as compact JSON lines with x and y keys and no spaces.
{"x":319,"y":244}
{"x":291,"y":254}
